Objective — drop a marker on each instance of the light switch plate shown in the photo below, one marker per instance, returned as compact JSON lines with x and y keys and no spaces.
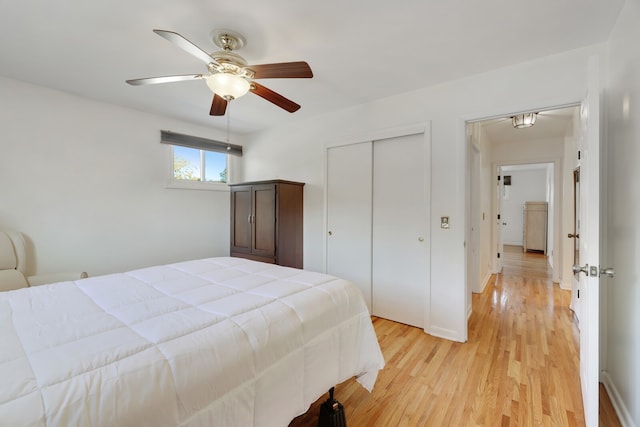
{"x":444,"y":222}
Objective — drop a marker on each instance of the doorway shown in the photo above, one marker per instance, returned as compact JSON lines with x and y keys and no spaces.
{"x":503,"y":150}
{"x":525,"y":203}
{"x":573,"y":149}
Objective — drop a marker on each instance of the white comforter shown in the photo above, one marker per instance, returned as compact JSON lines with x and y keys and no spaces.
{"x":213,"y":342}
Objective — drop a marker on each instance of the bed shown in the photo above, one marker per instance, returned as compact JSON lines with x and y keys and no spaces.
{"x":211,"y":342}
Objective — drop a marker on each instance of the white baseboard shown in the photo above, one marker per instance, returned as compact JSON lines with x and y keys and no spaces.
{"x":564,"y":285}
{"x":446,"y":334}
{"x":484,"y":282}
{"x":623,"y":413}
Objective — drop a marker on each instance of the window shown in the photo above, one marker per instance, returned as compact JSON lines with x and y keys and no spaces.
{"x":198,"y":163}
{"x":191,"y":164}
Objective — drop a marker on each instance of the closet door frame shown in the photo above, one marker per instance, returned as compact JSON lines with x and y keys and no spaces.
{"x":423,"y":128}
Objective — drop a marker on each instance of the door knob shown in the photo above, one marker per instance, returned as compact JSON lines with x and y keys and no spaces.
{"x":330,"y":233}
{"x":571,"y":236}
{"x":420,"y":239}
{"x":577,"y":269}
{"x":609,"y":272}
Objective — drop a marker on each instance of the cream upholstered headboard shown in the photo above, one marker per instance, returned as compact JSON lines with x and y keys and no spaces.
{"x":12,"y":254}
{"x":13,"y":265}
{"x":8,"y":259}
{"x":20,"y":249}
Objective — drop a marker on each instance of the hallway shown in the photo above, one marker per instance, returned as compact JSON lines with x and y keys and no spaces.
{"x":526,"y":318}
{"x":519,"y":367}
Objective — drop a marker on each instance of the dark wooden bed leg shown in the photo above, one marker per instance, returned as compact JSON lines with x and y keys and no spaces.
{"x":331,"y":413}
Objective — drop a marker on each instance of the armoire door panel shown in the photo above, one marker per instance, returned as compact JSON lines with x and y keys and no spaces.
{"x":240,"y":219}
{"x":264,"y":220}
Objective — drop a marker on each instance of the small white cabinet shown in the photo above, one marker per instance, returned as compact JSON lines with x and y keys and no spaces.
{"x":535,"y":226}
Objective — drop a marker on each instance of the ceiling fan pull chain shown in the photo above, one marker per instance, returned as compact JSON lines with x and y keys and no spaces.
{"x":228,"y":125}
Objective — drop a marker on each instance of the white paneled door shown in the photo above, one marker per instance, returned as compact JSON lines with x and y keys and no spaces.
{"x":589,"y":262}
{"x":499,"y":222}
{"x":377,"y":223}
{"x":349,"y":214}
{"x":400,"y":244}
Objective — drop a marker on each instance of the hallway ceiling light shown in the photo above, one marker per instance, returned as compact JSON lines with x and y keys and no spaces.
{"x":524,"y":120}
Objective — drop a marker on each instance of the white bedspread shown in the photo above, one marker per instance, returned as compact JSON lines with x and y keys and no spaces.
{"x":213,"y":342}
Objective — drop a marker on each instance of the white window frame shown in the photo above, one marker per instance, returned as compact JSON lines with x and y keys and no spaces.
{"x":174,"y":139}
{"x":189,"y":184}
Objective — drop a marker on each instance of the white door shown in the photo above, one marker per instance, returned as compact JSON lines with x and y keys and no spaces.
{"x":473,"y":245}
{"x":575,"y":236}
{"x":589,"y":146}
{"x":400,"y":241}
{"x":349,"y":184}
{"x":500,"y":222}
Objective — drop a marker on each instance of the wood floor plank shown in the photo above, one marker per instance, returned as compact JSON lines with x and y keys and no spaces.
{"x":520,"y":366}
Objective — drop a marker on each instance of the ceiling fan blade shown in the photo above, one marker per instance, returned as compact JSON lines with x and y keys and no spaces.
{"x":282,"y":70}
{"x":218,"y":106}
{"x":274,"y":97}
{"x":165,"y":79}
{"x":186,"y":45}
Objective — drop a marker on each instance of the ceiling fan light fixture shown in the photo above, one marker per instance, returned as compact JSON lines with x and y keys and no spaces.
{"x":228,"y":86}
{"x":229,"y":75}
{"x":525,"y":120}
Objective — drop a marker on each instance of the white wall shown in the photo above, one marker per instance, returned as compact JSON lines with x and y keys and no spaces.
{"x":483,"y":182}
{"x":553,"y":222}
{"x":622,"y":196}
{"x":85,"y":182}
{"x":296,"y":151}
{"x":526,"y":186}
{"x":487,"y":183}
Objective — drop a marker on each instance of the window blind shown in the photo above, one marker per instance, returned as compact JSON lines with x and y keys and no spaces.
{"x":173,"y":138}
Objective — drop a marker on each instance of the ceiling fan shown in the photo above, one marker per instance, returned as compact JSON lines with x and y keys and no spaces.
{"x":230,"y":76}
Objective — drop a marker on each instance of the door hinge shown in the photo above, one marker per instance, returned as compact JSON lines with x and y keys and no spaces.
{"x":498,"y":216}
{"x":578,"y":293}
{"x":498,"y":254}
{"x":579,"y":154}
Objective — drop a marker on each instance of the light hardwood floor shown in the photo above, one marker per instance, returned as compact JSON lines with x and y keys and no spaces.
{"x":519,"y":367}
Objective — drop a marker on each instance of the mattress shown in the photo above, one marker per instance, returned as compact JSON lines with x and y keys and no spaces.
{"x":211,"y":342}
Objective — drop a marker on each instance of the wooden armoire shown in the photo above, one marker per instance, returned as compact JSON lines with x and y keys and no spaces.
{"x":266,"y":221}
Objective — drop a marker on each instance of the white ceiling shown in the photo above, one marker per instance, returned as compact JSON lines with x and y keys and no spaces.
{"x":359,"y":50}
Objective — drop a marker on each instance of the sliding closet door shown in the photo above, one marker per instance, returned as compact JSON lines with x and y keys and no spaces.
{"x":349,"y":214}
{"x":400,"y":240}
